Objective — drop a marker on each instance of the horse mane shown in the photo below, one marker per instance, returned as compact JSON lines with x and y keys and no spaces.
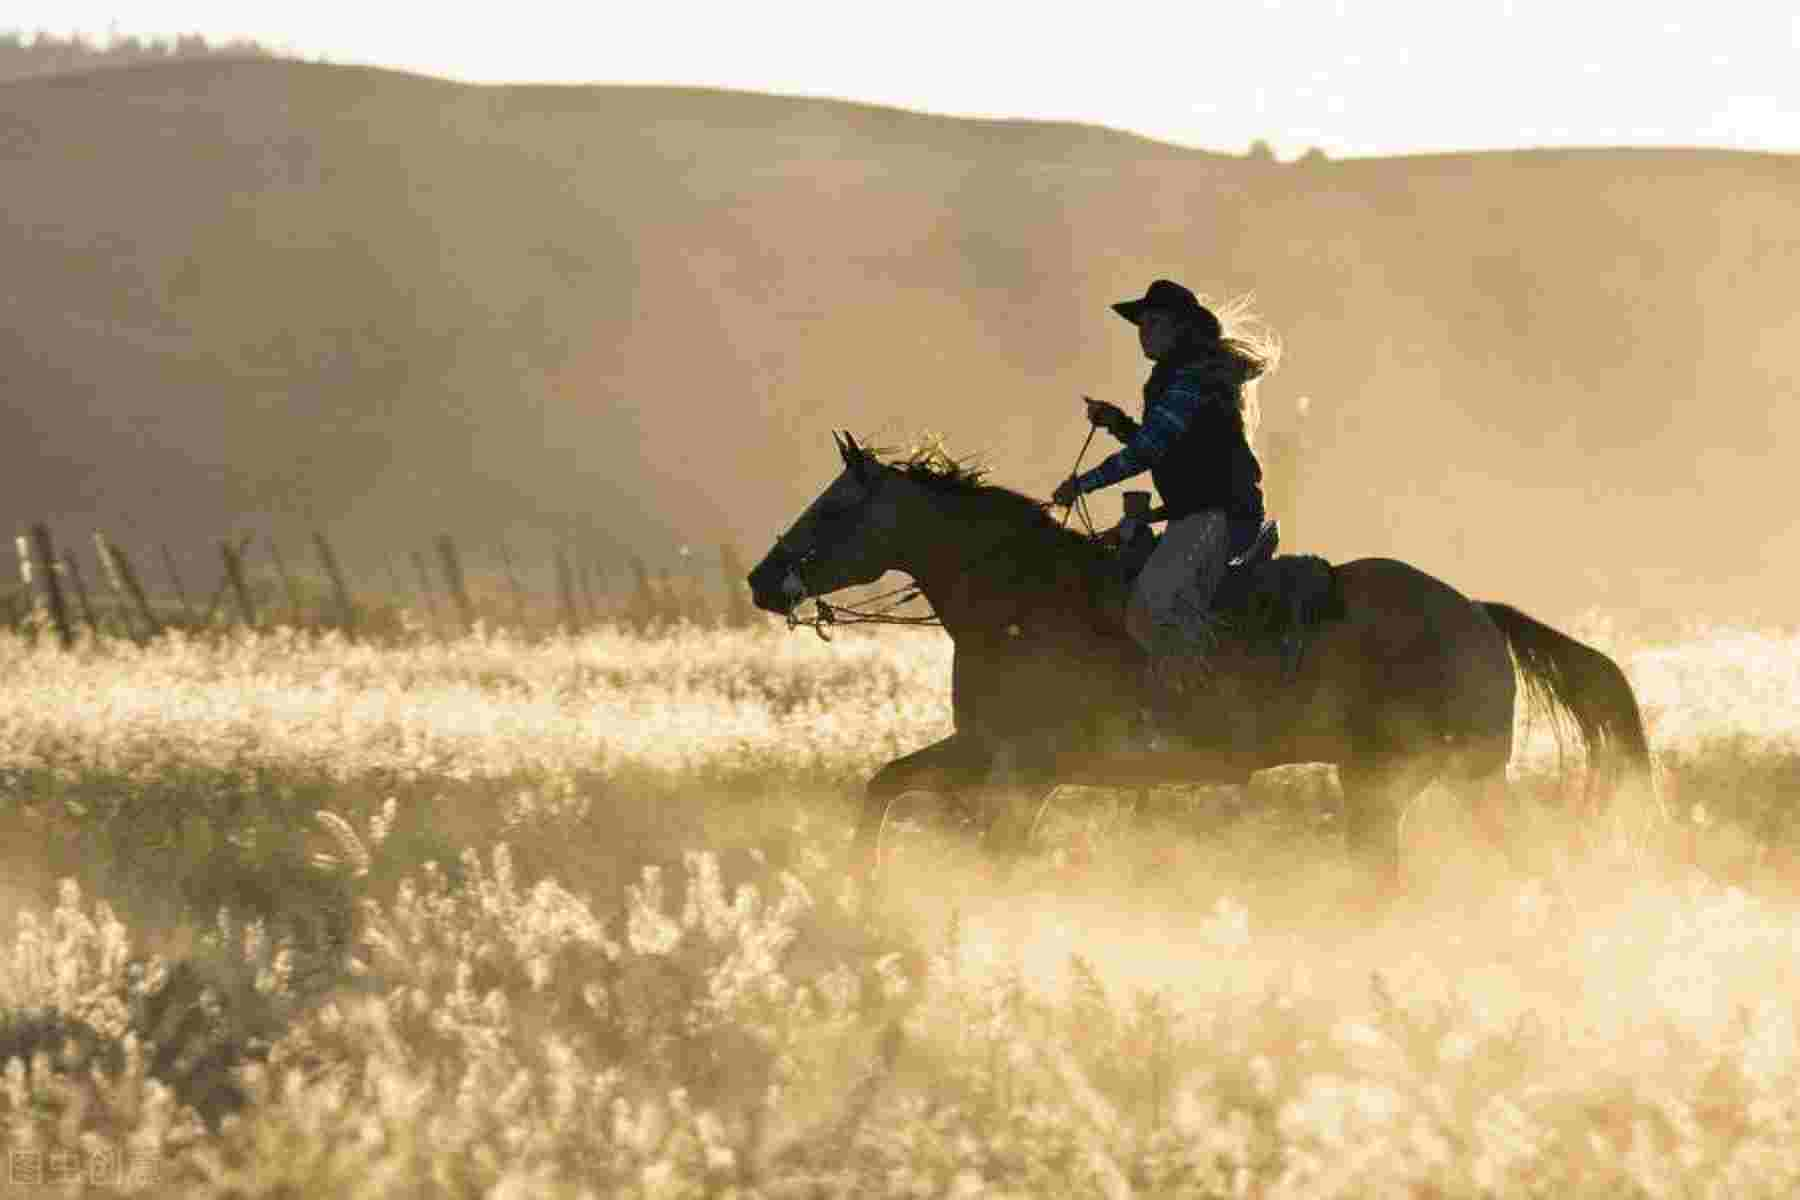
{"x":938,"y":472}
{"x":1059,"y":574}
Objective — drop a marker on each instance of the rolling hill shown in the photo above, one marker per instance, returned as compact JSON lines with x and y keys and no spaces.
{"x":274,"y":294}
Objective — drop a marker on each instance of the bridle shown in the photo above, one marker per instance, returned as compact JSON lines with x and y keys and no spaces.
{"x":827,"y":615}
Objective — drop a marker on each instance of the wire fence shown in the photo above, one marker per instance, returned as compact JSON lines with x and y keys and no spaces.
{"x":69,"y":590}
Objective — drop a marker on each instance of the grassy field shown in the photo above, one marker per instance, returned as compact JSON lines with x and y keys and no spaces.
{"x":289,"y":917}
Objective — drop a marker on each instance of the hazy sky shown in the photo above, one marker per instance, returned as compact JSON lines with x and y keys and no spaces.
{"x":1349,"y":76}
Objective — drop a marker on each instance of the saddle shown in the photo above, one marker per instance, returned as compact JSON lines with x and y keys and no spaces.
{"x":1270,"y":597}
{"x":1265,"y":601}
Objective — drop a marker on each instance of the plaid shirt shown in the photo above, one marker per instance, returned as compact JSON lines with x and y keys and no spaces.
{"x":1192,"y":441}
{"x":1166,"y":418}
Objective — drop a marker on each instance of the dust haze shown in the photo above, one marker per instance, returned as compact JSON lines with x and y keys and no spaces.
{"x":279,"y":295}
{"x":573,"y":900}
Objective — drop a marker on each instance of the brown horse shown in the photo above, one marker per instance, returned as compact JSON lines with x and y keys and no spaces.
{"x":1413,"y":683}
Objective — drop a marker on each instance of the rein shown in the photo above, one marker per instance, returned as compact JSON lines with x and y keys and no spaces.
{"x":1081,"y":501}
{"x":826,"y":615}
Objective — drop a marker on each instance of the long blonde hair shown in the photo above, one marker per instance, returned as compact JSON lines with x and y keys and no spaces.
{"x":1246,"y":351}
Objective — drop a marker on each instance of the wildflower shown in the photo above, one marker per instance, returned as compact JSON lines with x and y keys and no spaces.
{"x":351,"y":851}
{"x":1358,"y":1034}
{"x":1263,"y":1076}
{"x":649,"y":929}
{"x":1455,"y":1047}
{"x":1228,"y":928}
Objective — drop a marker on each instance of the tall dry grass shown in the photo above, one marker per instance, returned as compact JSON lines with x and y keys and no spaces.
{"x":296,"y":917}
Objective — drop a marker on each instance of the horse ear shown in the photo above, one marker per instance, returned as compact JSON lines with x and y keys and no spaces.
{"x":837,"y":441}
{"x":854,"y":456}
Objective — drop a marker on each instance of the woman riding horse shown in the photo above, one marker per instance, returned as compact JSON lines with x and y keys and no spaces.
{"x":1194,"y":443}
{"x":1412,"y":683}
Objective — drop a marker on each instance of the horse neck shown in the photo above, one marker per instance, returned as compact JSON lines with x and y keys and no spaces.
{"x":982,"y":570}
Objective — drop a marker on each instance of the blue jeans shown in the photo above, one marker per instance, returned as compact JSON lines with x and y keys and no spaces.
{"x":1172,"y":594}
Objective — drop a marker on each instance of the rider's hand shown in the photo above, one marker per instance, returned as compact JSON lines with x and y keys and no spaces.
{"x":1109,"y":417}
{"x":1065,"y":492}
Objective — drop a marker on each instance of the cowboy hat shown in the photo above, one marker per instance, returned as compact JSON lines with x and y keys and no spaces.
{"x":1169,"y":296}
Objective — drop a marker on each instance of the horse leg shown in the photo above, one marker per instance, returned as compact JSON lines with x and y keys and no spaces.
{"x":1376,"y":792}
{"x":1487,"y":799}
{"x":1014,"y":789}
{"x":954,"y":763}
{"x":1478,"y":778}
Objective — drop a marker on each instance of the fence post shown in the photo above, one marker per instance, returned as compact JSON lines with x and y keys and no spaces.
{"x":453,"y":580}
{"x":589,"y":592}
{"x":431,"y":605}
{"x":218,"y":596}
{"x":110,"y":569}
{"x":643,"y":601}
{"x":27,"y":591}
{"x":187,"y":610}
{"x":401,"y":600}
{"x":565,"y":591}
{"x":42,"y":561}
{"x":287,"y":582}
{"x":512,"y":578}
{"x":346,"y":609}
{"x":212,"y":603}
{"x":73,"y":568}
{"x":125,"y":584}
{"x":673,"y":604}
{"x":136,"y":590}
{"x":234,"y":574}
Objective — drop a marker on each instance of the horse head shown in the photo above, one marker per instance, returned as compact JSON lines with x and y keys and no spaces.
{"x":841,"y":540}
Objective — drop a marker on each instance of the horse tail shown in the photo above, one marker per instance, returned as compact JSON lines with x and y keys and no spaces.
{"x":1562,"y":675}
